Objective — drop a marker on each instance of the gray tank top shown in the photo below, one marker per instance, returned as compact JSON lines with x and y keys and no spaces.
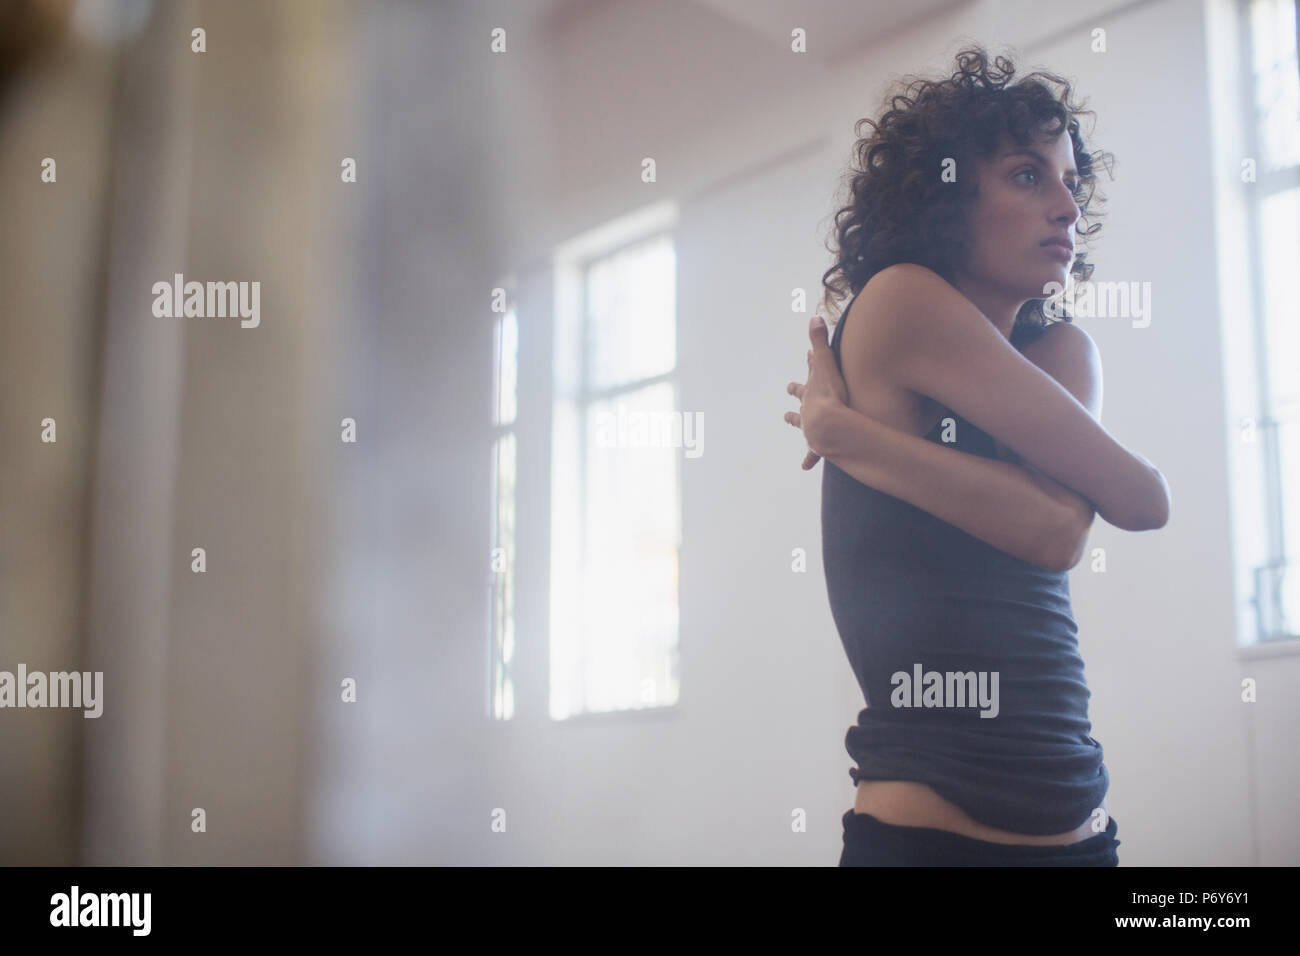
{"x":940,"y":628}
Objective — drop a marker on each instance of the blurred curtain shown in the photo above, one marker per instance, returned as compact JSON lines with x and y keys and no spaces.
{"x":324,"y":560}
{"x":56,"y":102}
{"x":172,"y":434}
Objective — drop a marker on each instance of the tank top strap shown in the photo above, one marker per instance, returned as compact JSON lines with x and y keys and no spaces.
{"x":839,"y":324}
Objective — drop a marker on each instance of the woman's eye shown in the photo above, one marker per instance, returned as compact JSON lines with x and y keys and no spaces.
{"x":1074,"y":186}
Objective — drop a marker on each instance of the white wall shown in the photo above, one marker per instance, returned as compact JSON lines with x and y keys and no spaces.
{"x":751,"y":141}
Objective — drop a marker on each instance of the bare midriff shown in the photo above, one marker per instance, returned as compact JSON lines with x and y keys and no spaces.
{"x":906,"y":803}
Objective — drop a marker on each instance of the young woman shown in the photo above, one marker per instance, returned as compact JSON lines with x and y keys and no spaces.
{"x":964,"y":462}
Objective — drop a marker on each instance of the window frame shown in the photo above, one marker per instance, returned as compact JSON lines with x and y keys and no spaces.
{"x":583,"y":396}
{"x":1266,"y":184}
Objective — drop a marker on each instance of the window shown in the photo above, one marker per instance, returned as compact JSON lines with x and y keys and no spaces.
{"x":1274,"y":81}
{"x":616,"y":485}
{"x":501,"y":588}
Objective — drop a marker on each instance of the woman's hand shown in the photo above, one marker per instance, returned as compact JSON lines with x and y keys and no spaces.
{"x":821,"y":397}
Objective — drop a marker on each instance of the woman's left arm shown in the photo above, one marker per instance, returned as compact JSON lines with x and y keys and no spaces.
{"x":1009,"y":506}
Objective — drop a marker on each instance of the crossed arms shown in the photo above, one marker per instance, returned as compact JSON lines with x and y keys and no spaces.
{"x":1059,"y":465}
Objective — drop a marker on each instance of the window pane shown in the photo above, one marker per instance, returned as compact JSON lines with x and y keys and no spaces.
{"x":507,"y":369}
{"x":1277,"y":82}
{"x":1288,"y":446}
{"x":1280,"y":247}
{"x":504,"y":474}
{"x":566,"y":561}
{"x":631,"y":315}
{"x":627,"y":625}
{"x":1290,"y":603}
{"x":1279,"y":602}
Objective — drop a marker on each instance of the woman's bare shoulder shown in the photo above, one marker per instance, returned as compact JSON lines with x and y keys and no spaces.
{"x":904,"y":299}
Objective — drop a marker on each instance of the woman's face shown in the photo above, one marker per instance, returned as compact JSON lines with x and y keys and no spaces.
{"x":1025,"y":199}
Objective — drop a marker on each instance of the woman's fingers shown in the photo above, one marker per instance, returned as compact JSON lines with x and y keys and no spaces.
{"x":812,"y":457}
{"x":797,"y":389}
{"x":824,"y":374}
{"x":795,"y":419}
{"x":817,"y":331}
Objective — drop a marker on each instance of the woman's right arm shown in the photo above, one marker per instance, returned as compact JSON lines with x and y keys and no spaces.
{"x":928,"y":337}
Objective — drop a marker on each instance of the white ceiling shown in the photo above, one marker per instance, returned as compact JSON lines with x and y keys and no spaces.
{"x":834,"y":27}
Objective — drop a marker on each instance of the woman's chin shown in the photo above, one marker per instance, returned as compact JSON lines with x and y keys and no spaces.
{"x":1053,"y":281}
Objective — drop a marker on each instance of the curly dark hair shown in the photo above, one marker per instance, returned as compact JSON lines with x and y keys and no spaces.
{"x":900,"y":210}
